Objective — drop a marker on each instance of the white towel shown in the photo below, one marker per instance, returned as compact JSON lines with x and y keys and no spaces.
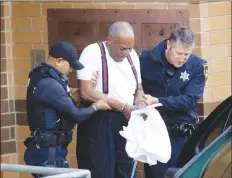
{"x":147,"y":140}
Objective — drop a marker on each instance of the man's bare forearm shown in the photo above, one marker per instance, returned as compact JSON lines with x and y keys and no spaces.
{"x":89,"y":94}
{"x":124,"y":108}
{"x":115,"y":105}
{"x":92,"y":95}
{"x":139,"y":96}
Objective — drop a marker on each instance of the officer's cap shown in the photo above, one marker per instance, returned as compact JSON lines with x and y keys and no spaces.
{"x":66,"y":51}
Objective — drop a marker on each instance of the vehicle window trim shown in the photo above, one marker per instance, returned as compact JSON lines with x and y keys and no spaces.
{"x":226,"y":134}
{"x":199,"y":146}
{"x":227,"y":120}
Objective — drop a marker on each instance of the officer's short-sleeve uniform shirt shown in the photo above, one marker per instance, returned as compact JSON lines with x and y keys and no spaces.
{"x":121,"y":82}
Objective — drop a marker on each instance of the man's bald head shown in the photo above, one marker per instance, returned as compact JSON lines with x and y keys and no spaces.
{"x":121,"y":29}
{"x":120,"y":40}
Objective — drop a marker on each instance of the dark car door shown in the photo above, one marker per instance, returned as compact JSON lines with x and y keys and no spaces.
{"x":212,"y":161}
{"x":208,"y":130}
{"x":216,"y":123}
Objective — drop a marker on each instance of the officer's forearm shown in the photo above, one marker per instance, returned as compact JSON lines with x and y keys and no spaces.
{"x":64,"y":104}
{"x":81,"y":114}
{"x":179,"y":103}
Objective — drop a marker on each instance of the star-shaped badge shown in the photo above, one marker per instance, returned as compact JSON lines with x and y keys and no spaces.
{"x":184,"y":75}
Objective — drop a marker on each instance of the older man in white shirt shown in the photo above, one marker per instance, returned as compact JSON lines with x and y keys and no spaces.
{"x":100,"y":148}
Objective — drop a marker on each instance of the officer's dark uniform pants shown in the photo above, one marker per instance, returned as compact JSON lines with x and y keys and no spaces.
{"x":100,"y":147}
{"x":38,"y":157}
{"x":158,"y":170}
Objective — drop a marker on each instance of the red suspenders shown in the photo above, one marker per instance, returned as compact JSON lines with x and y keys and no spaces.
{"x":105,"y":69}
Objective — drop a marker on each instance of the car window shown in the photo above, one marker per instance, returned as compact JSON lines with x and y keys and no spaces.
{"x":229,"y":121}
{"x":220,"y":165}
{"x":215,"y":157}
{"x":223,"y":122}
{"x":216,"y":123}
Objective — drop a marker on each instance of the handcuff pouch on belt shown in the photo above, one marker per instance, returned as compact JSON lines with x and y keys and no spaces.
{"x":180,"y":130}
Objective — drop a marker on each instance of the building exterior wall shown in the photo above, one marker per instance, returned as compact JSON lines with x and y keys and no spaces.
{"x":8,"y":124}
{"x":24,"y":27}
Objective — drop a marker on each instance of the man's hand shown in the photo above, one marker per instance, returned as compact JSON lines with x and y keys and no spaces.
{"x":94,"y":79}
{"x":102,"y":105}
{"x":128,"y":109}
{"x":141,"y":102}
{"x":151,"y":100}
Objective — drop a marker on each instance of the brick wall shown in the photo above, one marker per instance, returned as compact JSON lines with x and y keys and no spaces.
{"x":26,"y":29}
{"x":8,"y":138}
{"x":216,"y":48}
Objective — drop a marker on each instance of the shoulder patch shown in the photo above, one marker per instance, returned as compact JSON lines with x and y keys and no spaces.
{"x":205,"y":66}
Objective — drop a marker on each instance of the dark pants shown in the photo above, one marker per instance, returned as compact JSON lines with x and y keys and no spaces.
{"x":38,"y":157}
{"x":158,"y":170}
{"x":100,"y":147}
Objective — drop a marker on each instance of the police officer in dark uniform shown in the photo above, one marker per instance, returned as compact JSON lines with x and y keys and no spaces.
{"x":174,"y":77}
{"x":51,"y":112}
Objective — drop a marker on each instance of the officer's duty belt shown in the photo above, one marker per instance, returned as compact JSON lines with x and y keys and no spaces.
{"x":180,"y":130}
{"x":49,"y":139}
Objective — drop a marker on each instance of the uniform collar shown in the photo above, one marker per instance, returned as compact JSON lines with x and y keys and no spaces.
{"x":55,"y":73}
{"x":158,"y":53}
{"x":158,"y":56}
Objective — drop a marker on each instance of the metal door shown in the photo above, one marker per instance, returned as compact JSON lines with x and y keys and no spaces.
{"x":82,"y":27}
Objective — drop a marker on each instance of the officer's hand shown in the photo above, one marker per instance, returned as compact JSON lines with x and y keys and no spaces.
{"x":102,"y":105}
{"x":151,"y":100}
{"x":94,"y":79}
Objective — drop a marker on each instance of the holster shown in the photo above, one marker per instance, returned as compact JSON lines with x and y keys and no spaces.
{"x":49,"y":139}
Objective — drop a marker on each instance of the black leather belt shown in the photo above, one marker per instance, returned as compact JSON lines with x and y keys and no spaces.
{"x":49,"y":138}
